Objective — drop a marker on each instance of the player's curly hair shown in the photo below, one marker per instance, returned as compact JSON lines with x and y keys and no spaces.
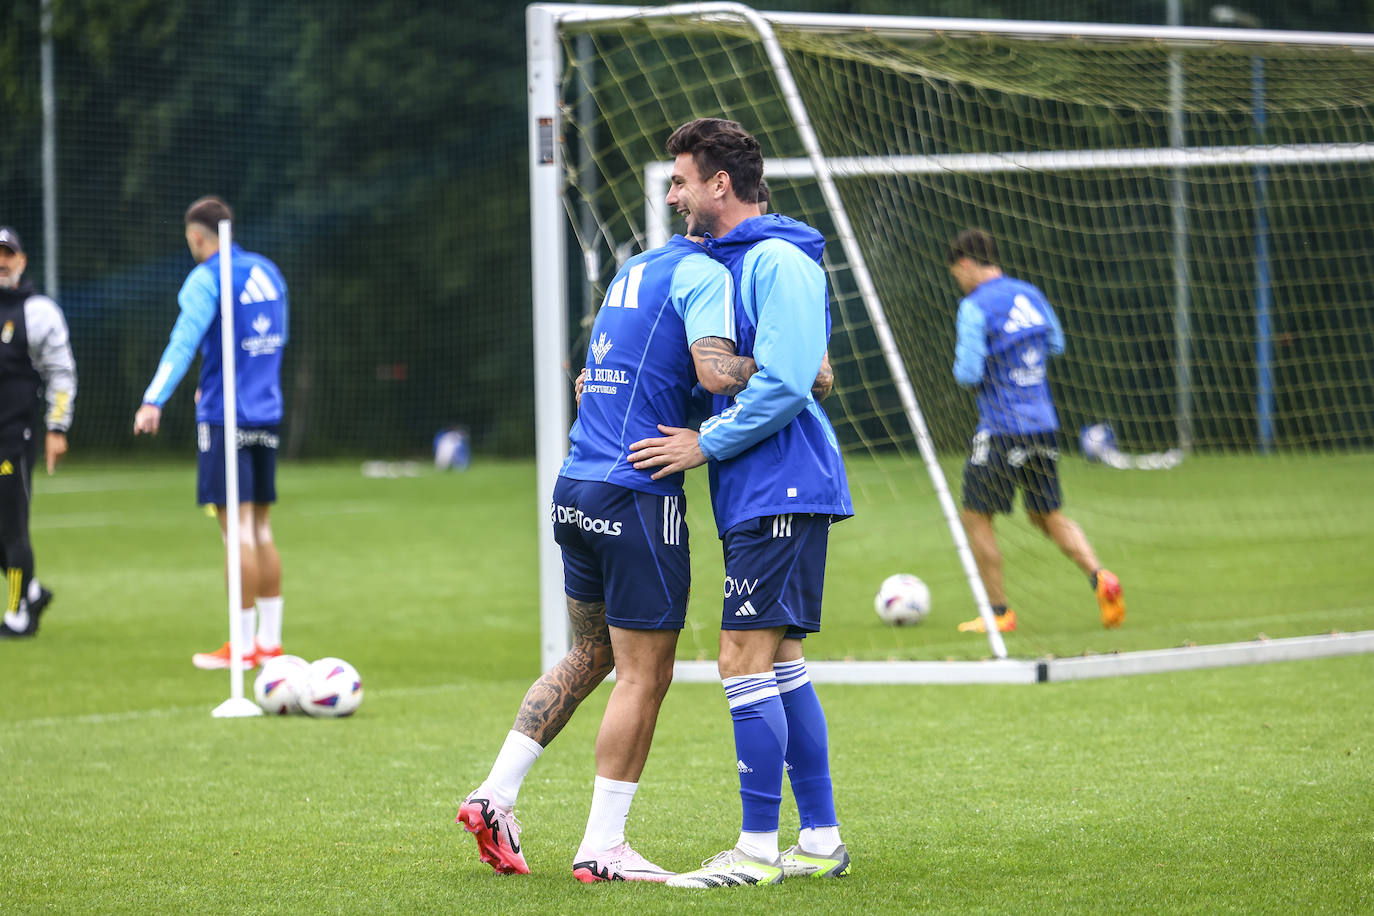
{"x":207,"y":212}
{"x":718,"y":145}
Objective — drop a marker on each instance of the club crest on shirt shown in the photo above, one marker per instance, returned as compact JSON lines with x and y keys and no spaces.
{"x":600,"y":347}
{"x":7,"y":333}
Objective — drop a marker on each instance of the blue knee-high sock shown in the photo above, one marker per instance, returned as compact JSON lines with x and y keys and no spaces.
{"x":808,"y":746}
{"x":760,"y":739}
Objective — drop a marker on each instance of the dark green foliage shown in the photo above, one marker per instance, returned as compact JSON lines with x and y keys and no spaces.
{"x":377,"y":152}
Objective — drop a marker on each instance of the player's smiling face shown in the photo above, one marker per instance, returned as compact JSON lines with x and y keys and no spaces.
{"x":695,"y":199}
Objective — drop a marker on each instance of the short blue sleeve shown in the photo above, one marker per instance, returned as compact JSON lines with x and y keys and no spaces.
{"x":703,"y":294}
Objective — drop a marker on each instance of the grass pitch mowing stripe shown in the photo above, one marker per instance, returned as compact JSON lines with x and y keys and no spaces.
{"x":1235,"y":790}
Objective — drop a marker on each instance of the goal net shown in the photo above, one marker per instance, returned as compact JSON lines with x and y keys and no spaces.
{"x":1195,"y":203}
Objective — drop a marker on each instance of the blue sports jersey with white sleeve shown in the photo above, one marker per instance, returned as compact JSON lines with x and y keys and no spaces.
{"x":260,"y":334}
{"x":1007,"y":332}
{"x":773,"y":448}
{"x":639,"y":363}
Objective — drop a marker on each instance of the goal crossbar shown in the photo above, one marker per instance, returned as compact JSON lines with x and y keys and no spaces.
{"x":656,"y":174}
{"x":912,"y":26}
{"x":1082,"y":160}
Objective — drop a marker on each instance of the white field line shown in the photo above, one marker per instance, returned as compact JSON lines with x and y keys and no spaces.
{"x":993,"y":671}
{"x":109,"y":483}
{"x":136,"y":715}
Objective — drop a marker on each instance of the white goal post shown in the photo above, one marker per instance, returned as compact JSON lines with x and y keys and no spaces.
{"x":552,"y":216}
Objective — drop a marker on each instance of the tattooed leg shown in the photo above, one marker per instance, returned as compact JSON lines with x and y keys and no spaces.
{"x":553,"y":698}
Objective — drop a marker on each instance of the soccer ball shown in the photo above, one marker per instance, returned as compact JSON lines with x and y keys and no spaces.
{"x":278,"y":685}
{"x":902,"y":600}
{"x":332,"y":688}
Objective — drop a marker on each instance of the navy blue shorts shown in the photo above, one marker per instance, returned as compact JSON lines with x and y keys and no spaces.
{"x":1000,"y":465}
{"x":257,"y":465}
{"x":626,"y":548}
{"x":775,"y":573}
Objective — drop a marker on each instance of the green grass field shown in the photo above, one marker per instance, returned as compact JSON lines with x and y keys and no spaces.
{"x":1234,"y":790}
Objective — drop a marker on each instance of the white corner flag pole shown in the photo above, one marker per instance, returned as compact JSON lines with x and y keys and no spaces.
{"x":237,"y":706}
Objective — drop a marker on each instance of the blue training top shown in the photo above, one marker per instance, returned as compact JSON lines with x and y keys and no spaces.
{"x":1007,"y":332}
{"x":639,"y":363}
{"x":773,"y":448}
{"x":260,"y":332}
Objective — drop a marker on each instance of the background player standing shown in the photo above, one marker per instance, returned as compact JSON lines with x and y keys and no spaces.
{"x":34,"y":348}
{"x":260,"y":332}
{"x":1007,"y":334}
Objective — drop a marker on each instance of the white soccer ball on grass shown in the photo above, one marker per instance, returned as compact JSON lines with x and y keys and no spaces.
{"x":902,"y":600}
{"x":279,"y":683}
{"x":333,"y":688}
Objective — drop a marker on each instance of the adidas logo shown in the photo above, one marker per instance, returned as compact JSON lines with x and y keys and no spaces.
{"x":744,"y":767}
{"x":258,"y":287}
{"x":746,"y":610}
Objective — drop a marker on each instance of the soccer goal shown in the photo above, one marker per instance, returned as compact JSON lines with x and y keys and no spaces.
{"x":1196,"y":203}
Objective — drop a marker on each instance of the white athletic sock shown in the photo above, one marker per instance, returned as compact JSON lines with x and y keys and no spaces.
{"x":269,"y":621}
{"x":35,"y":590}
{"x":759,"y":845}
{"x":512,"y":764}
{"x":820,"y":841}
{"x":610,"y":809}
{"x":248,"y":622}
{"x":18,"y":621}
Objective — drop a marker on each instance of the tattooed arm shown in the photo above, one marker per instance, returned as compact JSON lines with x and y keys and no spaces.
{"x":553,"y":698}
{"x":825,"y":379}
{"x":719,"y":368}
{"x":722,"y":371}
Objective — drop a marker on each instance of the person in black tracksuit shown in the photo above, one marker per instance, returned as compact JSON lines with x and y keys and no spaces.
{"x":35,"y":354}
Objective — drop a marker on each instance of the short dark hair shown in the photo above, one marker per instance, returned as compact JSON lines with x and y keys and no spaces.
{"x":718,"y":145}
{"x":763,"y":195}
{"x":975,"y":244}
{"x":207,"y":212}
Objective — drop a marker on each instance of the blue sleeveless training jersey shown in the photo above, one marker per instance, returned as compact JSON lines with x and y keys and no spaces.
{"x":260,"y":332}
{"x":1011,"y":322}
{"x":639,"y":365}
{"x":773,"y":447}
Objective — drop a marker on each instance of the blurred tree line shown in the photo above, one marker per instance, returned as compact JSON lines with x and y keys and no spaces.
{"x":376,"y":151}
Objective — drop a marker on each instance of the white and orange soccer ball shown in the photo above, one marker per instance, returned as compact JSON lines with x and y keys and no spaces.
{"x":902,"y":600}
{"x":333,"y":689}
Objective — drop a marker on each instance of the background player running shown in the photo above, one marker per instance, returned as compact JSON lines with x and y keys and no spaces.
{"x":1007,"y":333}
